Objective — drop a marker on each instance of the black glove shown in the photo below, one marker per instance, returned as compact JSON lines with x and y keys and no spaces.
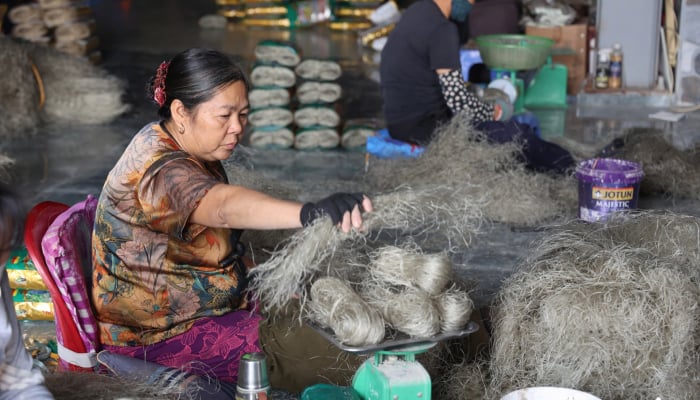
{"x":333,"y":206}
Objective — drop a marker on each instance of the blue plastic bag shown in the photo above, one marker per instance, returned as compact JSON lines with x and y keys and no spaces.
{"x":381,"y":145}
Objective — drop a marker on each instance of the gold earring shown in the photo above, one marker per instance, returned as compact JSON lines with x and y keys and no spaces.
{"x":181,"y":129}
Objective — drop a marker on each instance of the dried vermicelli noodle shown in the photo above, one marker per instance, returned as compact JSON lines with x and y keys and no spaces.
{"x":316,"y":116}
{"x":173,"y":385}
{"x":461,"y":157}
{"x":268,"y":97}
{"x":605,"y":311}
{"x":410,"y":267}
{"x":299,"y":259}
{"x":293,"y":267}
{"x":667,"y":169}
{"x":409,"y":310}
{"x":320,"y":70}
{"x":443,"y":210}
{"x":336,"y":305}
{"x":464,"y":381}
{"x":276,"y":76}
{"x":455,"y":307}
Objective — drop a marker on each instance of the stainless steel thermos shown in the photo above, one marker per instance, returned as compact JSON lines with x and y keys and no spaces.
{"x":253,"y":383}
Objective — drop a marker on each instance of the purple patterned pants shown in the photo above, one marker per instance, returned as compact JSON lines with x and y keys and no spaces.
{"x":212,"y":347}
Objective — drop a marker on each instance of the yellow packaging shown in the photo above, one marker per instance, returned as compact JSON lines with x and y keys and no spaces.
{"x":22,"y":271}
{"x":351,"y":25}
{"x":34,"y":311}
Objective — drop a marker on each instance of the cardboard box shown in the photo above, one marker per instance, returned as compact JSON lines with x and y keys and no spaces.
{"x":572,"y":39}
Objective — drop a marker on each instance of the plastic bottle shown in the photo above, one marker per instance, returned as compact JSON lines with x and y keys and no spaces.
{"x":602,"y":69}
{"x":615,"y":77}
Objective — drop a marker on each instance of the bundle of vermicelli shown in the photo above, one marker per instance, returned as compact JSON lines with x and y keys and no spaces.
{"x":270,"y":75}
{"x":316,"y":116}
{"x":24,"y":13}
{"x":407,"y":309}
{"x":74,"y":31}
{"x":268,"y":97}
{"x":336,"y":305}
{"x":32,"y":31}
{"x":275,"y":52}
{"x":270,"y":116}
{"x":312,"y":92}
{"x":455,"y":307}
{"x":54,"y":17}
{"x":407,"y":266}
{"x":46,"y":4}
{"x":318,"y":70}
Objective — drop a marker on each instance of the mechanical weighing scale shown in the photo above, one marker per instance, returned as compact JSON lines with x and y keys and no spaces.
{"x":392,"y":373}
{"x":522,"y":74}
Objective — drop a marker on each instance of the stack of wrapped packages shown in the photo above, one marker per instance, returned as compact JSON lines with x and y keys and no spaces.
{"x":68,"y":25}
{"x":231,"y":9}
{"x":318,"y":94}
{"x":31,"y":297}
{"x":353,"y":15}
{"x":266,"y":13}
{"x":272,"y":78}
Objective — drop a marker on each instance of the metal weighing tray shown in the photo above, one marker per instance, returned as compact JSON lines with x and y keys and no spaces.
{"x":398,"y":341}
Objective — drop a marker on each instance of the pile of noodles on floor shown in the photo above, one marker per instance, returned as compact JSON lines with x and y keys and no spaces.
{"x":459,"y":156}
{"x":667,"y":170}
{"x":611,"y":309}
{"x":42,"y":84}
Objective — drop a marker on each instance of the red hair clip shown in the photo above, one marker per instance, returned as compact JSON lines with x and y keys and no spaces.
{"x":159,"y":83}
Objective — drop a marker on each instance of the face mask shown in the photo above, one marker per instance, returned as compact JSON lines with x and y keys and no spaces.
{"x":460,"y":10}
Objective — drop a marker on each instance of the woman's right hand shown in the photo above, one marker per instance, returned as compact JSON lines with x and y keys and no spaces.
{"x":344,"y":209}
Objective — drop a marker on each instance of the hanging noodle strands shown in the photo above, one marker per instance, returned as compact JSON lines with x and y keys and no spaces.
{"x":334,"y":304}
{"x":436,"y":210}
{"x":408,"y":310}
{"x":293,"y":267}
{"x":455,"y":307}
{"x":402,"y":266}
{"x":295,"y":263}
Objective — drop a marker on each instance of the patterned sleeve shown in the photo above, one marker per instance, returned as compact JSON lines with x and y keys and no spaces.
{"x":459,"y":99}
{"x":170,"y":192}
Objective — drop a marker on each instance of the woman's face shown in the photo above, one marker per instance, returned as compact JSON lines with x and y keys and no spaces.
{"x":217,"y":126}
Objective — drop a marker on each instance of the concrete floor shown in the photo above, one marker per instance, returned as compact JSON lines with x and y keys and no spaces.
{"x":65,"y":163}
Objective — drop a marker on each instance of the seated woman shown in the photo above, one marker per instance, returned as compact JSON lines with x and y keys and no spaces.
{"x":169,"y":282}
{"x":423,"y":86}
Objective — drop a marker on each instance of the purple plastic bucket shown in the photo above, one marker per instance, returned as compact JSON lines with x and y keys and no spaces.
{"x":607,"y":185}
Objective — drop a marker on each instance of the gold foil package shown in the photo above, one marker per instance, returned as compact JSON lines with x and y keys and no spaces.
{"x":34,"y":305}
{"x":22,"y":272}
{"x":368,"y":36}
{"x":350,"y":24}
